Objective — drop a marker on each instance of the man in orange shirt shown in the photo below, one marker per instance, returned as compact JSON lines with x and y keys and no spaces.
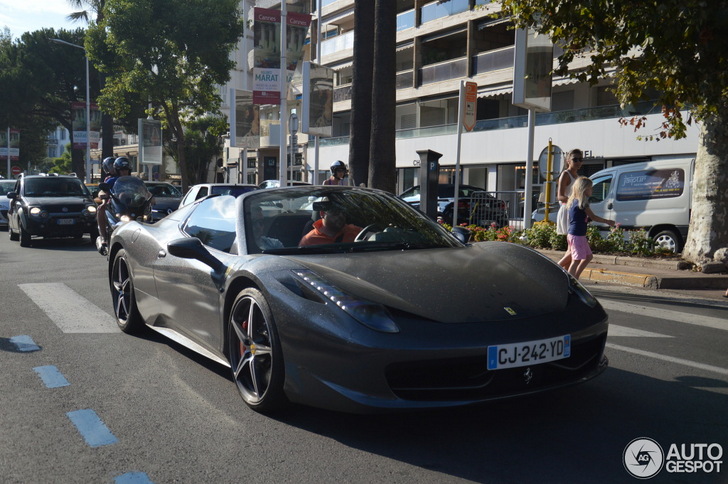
{"x":331,"y":228}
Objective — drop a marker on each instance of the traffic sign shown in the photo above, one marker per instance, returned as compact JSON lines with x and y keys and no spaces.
{"x":16,"y":170}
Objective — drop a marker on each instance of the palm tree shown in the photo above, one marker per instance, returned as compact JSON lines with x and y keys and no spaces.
{"x":361,"y":90}
{"x":382,"y":150}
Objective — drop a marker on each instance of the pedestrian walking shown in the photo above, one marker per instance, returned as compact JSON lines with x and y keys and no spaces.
{"x":579,"y":216}
{"x":574,"y":160}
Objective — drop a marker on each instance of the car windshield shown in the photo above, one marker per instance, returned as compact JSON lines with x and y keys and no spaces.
{"x":6,"y":186}
{"x":231,"y":190}
{"x":55,"y":187}
{"x":164,"y":190}
{"x":336,"y":219}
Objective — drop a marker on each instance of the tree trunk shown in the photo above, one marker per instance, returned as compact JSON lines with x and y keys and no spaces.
{"x":382,"y":150}
{"x":708,"y":231}
{"x":361,"y":91}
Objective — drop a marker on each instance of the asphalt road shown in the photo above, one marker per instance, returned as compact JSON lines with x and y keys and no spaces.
{"x":82,"y":402}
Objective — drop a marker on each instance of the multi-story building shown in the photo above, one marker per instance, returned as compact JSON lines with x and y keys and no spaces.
{"x":439,"y":44}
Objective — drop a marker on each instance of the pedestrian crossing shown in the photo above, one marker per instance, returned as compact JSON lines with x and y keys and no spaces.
{"x":69,"y":310}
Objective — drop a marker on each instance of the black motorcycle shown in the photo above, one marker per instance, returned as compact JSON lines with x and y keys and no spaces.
{"x":129,"y":199}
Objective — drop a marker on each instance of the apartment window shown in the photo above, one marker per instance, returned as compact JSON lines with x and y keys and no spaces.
{"x":439,"y":9}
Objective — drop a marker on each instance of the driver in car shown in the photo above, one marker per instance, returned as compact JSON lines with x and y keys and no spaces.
{"x":331,"y":228}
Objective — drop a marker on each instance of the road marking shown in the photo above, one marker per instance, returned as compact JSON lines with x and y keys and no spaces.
{"x":617,"y":330}
{"x":24,"y":343}
{"x":51,"y":376}
{"x":133,"y":478}
{"x":677,"y":316}
{"x":91,"y":428}
{"x":70,"y":311}
{"x":670,"y":359}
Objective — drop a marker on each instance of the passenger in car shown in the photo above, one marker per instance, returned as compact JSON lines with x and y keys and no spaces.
{"x":330,"y":228}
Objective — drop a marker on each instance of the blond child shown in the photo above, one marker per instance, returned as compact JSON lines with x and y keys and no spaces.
{"x":579,"y":213}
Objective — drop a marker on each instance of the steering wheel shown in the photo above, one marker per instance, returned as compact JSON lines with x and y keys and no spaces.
{"x":366,"y":231}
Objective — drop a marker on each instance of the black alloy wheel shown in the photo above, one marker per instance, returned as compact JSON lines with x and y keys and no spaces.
{"x":255,"y":353}
{"x":122,"y":294}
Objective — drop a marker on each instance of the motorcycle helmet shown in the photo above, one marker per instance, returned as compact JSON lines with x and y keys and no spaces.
{"x":108,"y":165}
{"x":338,"y":165}
{"x":122,"y":163}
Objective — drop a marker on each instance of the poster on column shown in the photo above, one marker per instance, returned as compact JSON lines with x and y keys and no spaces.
{"x":247,"y":120}
{"x":14,"y":144}
{"x":150,"y":141}
{"x":318,"y":100}
{"x":78,"y":113}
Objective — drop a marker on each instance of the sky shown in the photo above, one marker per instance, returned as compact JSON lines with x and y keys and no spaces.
{"x":22,"y":16}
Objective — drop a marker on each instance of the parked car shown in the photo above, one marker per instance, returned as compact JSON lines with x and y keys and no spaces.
{"x":539,"y":214}
{"x":277,"y":183}
{"x":6,"y":186}
{"x":204,"y":189}
{"x":166,"y":199}
{"x":493,"y":211}
{"x":355,"y":326}
{"x":50,"y":206}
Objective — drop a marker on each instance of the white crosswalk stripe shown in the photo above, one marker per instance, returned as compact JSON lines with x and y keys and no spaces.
{"x":70,"y":311}
{"x":677,"y":316}
{"x":623,"y":331}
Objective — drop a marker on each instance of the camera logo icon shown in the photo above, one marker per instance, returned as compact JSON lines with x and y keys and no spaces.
{"x":643,"y":458}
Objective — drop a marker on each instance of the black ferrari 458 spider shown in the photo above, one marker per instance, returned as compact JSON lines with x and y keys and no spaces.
{"x":347,"y":298}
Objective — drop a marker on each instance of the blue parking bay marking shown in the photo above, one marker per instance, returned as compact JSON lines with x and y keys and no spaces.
{"x":133,"y":478}
{"x":24,"y":343}
{"x":91,"y":428}
{"x":52,"y":378}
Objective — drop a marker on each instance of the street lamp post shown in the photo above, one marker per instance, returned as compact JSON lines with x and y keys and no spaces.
{"x":88,"y":109}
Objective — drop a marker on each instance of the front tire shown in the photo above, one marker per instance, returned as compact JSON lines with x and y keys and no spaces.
{"x":255,"y":352}
{"x":668,"y":240}
{"x":24,"y":236}
{"x":122,"y":294}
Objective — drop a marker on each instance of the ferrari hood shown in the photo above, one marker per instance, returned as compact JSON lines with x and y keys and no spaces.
{"x":484,"y":282}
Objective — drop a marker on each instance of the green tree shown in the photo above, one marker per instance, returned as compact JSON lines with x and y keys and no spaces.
{"x":675,"y":47}
{"x":39,"y":80}
{"x":172,"y":53}
{"x":204,"y":142}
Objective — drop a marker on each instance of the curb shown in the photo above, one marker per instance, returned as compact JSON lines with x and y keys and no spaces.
{"x":624,"y":278}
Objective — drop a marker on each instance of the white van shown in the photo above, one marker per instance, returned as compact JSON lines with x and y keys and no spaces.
{"x":652,"y":195}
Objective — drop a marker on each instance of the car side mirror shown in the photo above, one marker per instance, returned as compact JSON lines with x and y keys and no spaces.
{"x":462,"y":234}
{"x":12,"y":195}
{"x":192,"y":248}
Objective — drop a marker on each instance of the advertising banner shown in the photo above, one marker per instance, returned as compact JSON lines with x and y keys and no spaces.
{"x":318,"y":100}
{"x":266,"y":56}
{"x":150,"y":141}
{"x":532,"y":68}
{"x":267,"y":76}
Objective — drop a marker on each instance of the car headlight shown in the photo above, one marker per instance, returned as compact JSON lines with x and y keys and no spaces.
{"x":370,"y":314}
{"x":38,"y":212}
{"x":575,"y":287}
{"x":90,"y":210}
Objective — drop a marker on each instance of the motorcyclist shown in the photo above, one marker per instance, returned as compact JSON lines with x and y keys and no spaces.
{"x":121,"y":167}
{"x":108,"y":168}
{"x":339,"y":174}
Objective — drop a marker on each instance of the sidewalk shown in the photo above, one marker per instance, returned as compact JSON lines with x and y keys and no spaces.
{"x":646,"y":273}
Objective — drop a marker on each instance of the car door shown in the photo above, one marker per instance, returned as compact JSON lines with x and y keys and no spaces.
{"x":186,"y":287}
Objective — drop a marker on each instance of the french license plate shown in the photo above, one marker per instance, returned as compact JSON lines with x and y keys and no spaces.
{"x":66,"y":221}
{"x":529,"y":352}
